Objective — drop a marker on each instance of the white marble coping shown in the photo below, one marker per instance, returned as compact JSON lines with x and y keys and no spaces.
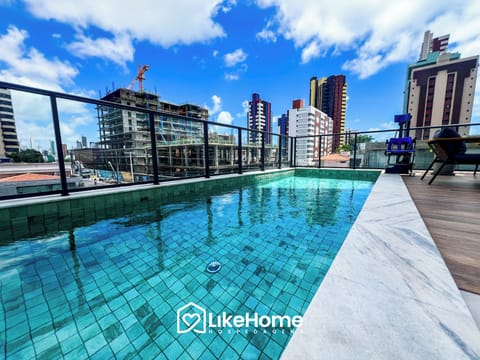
{"x":388,"y":294}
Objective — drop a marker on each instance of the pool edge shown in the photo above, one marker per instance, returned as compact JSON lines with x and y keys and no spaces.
{"x":388,"y":293}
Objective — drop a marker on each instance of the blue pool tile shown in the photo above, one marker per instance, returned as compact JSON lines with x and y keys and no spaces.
{"x":25,"y":352}
{"x":129,"y":295}
{"x":121,"y":287}
{"x":77,"y":353}
{"x":135,"y":330}
{"x":238,"y":343}
{"x":127,"y":352}
{"x":104,"y":353}
{"x":66,"y":331}
{"x":69,"y":344}
{"x":195,"y":349}
{"x":165,"y":338}
{"x":89,"y":332}
{"x":45,"y":343}
{"x":173,"y":351}
{"x":122,"y":312}
{"x":116,"y":303}
{"x":274,"y":349}
{"x":151,"y":351}
{"x":141,"y":341}
{"x":53,"y":352}
{"x":95,"y":343}
{"x":107,"y":320}
{"x":207,"y":355}
{"x":112,"y":332}
{"x":84,"y":320}
{"x":251,"y":302}
{"x":250,"y":353}
{"x":119,"y":342}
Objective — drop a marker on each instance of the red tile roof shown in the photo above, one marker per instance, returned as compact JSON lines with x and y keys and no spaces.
{"x":335,"y":157}
{"x":29,"y":177}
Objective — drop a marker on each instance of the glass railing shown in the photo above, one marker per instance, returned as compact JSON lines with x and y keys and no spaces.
{"x":71,"y":143}
{"x":366,"y":149}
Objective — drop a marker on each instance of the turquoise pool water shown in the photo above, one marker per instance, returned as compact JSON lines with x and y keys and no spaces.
{"x":114,"y":289}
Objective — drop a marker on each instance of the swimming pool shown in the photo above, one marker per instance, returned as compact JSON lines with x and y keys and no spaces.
{"x":115,"y":288}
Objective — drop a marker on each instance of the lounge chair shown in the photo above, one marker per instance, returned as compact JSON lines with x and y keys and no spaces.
{"x":452,"y":150}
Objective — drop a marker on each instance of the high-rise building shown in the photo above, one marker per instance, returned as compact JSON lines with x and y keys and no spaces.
{"x":120,"y":129}
{"x":259,"y":118}
{"x":330,"y":96}
{"x":440,"y":87}
{"x":8,"y":130}
{"x":128,"y":132}
{"x":298,"y":103}
{"x":431,"y":44}
{"x":283,"y":130}
{"x":306,"y":123}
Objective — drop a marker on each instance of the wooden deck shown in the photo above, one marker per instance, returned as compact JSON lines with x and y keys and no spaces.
{"x":450,"y":208}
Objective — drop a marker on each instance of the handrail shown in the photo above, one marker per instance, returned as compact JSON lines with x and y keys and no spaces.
{"x":243,"y":154}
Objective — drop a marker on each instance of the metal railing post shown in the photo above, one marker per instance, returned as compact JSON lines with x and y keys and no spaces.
{"x":205,"y":150}
{"x":58,"y":143}
{"x":153,"y":142}
{"x":262,"y":155}
{"x":320,"y":152}
{"x":294,"y":152}
{"x":355,"y":152}
{"x":240,"y":151}
{"x":280,"y":151}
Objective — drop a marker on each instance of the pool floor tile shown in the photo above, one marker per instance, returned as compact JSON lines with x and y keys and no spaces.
{"x":117,"y":293}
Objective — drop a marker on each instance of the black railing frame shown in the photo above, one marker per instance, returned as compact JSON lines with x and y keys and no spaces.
{"x":54,"y":96}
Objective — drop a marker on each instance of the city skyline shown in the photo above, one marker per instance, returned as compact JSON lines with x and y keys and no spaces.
{"x":229,"y":51}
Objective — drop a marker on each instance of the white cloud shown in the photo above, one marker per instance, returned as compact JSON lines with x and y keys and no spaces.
{"x":228,"y":5}
{"x":217,"y":105}
{"x":224,"y":117}
{"x":311,"y":51}
{"x":118,"y":50}
{"x":235,"y":74}
{"x":234,"y":58}
{"x":245,"y":108}
{"x":231,"y":77}
{"x":33,"y":119}
{"x":267,"y":34}
{"x":27,"y":66}
{"x":158,"y":22}
{"x":379,"y":32}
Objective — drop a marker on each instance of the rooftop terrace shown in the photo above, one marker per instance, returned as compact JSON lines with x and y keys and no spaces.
{"x":389,"y":293}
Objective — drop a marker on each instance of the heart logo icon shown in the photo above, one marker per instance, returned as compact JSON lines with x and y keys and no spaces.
{"x":191,"y":320}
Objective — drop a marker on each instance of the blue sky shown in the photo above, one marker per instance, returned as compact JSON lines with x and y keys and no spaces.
{"x":217,"y":53}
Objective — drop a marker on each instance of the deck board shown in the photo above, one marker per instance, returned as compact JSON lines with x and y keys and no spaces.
{"x":450,"y":208}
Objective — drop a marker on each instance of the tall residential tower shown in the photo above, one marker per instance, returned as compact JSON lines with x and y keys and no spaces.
{"x":306,"y":123}
{"x":330,"y":96}
{"x":8,"y":131}
{"x":259,"y":118}
{"x":440,"y":87}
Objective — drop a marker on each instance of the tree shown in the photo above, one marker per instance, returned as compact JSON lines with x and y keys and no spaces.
{"x":361,"y":139}
{"x":344,"y":147}
{"x":27,"y":156}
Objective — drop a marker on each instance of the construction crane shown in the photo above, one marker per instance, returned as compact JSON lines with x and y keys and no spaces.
{"x":139,"y":77}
